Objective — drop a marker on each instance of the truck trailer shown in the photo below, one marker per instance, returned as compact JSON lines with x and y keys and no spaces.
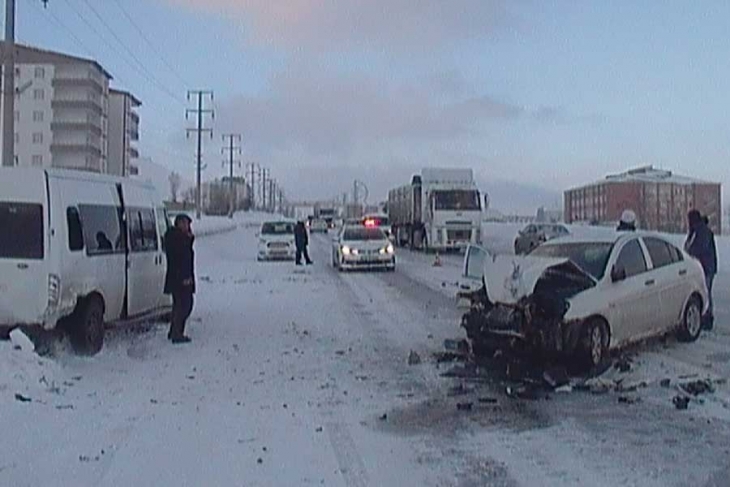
{"x":440,"y":210}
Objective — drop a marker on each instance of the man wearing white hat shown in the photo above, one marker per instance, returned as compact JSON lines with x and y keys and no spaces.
{"x":628,"y":221}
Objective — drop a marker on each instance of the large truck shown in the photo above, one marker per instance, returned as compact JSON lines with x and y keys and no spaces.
{"x":440,"y":210}
{"x":303,"y":212}
{"x":326,"y":212}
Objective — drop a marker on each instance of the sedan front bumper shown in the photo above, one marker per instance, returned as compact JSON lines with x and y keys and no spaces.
{"x":351,"y":262}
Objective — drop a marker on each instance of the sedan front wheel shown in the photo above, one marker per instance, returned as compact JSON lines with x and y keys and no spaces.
{"x":594,"y":344}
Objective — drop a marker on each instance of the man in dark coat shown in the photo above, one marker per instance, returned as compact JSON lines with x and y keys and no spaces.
{"x":301,"y":240}
{"x":627,"y":222}
{"x":180,"y":277}
{"x":700,"y":244}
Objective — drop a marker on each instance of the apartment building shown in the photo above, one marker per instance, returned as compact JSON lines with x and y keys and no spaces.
{"x":660,"y":199}
{"x":61,"y":111}
{"x":123,"y":133}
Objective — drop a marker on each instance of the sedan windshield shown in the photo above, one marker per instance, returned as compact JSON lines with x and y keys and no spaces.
{"x":459,"y":200}
{"x":592,"y":257}
{"x":364,"y":234}
{"x":277,"y":229}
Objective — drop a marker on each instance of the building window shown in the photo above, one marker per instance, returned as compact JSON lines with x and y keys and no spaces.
{"x":37,"y":160}
{"x":38,"y":138}
{"x":39,"y":94}
{"x":37,"y":116}
{"x":40,"y":73}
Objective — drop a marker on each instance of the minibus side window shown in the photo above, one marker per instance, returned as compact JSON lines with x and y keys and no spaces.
{"x":75,"y":232}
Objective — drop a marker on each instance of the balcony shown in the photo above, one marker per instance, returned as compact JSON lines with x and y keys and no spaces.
{"x":134,"y":116}
{"x":77,"y":126}
{"x":134,"y":134}
{"x":70,"y":81}
{"x":75,"y":147}
{"x":61,"y":103}
{"x":133,"y":153}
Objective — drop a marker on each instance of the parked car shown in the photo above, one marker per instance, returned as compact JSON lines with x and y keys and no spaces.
{"x":276,"y":240}
{"x":535,"y":234}
{"x":318,"y":226}
{"x":360,"y":247}
{"x":79,"y":250}
{"x":585,"y":297}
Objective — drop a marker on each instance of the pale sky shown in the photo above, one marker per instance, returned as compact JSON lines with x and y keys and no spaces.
{"x":547,"y":94}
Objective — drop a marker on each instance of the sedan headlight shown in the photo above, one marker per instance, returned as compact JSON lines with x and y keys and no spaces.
{"x":387,"y":250}
{"x":262,"y":241}
{"x":345,"y":250}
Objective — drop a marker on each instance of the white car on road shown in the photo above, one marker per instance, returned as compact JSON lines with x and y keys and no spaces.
{"x":276,"y":240}
{"x":360,"y":247}
{"x":585,"y":297}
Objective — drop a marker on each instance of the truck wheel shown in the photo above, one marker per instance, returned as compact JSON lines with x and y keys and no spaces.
{"x":87,"y":326}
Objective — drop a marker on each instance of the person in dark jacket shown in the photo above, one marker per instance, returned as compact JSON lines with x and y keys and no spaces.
{"x":301,"y":240}
{"x":180,"y":277}
{"x":700,"y":244}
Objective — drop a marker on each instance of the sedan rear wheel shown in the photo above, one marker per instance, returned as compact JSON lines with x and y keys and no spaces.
{"x":691,"y":326}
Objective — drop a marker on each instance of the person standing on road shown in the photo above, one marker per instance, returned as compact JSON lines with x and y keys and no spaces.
{"x":180,"y":276}
{"x":628,"y":222}
{"x":301,"y":240}
{"x":700,"y":244}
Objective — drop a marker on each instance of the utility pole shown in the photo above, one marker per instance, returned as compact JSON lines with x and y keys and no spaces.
{"x":199,"y":130}
{"x":9,"y":86}
{"x":252,"y":182}
{"x":263,"y":189}
{"x":231,"y":149}
{"x":9,"y":92}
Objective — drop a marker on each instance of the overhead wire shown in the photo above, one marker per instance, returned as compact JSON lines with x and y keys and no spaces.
{"x":149,"y":43}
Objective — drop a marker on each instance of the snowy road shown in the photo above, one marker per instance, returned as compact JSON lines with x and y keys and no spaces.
{"x":300,"y":377}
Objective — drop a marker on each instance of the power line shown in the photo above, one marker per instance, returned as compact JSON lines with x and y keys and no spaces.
{"x":112,"y":47}
{"x":130,"y":52}
{"x":149,"y":42}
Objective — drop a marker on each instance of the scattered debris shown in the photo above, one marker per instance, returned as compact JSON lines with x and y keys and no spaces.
{"x":524,"y":392}
{"x":260,"y":461}
{"x":697,"y":387}
{"x":629,"y":399}
{"x":443,"y":357}
{"x":564,"y":389}
{"x":21,"y":341}
{"x":665,"y":383}
{"x":319,"y":429}
{"x":464,"y":406}
{"x":623,"y":364}
{"x":62,"y":407}
{"x":681,"y":402}
{"x":556,"y":377}
{"x":460,"y":346}
{"x":414,"y":358}
{"x":383,"y":417}
{"x":488,"y":400}
{"x":460,"y":390}
{"x":190,"y":377}
{"x":22,"y":398}
{"x":340,"y":352}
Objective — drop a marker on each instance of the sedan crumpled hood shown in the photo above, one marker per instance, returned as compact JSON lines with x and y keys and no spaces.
{"x":510,"y":278}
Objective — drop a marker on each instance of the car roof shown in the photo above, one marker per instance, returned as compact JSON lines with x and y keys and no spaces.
{"x":609,"y":236}
{"x":274,"y":222}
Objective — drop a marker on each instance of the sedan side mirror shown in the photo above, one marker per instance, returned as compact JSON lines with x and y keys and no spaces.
{"x":618,"y":274}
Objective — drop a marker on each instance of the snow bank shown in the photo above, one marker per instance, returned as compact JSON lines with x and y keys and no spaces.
{"x":25,"y":373}
{"x":213,"y":225}
{"x":253,"y":219}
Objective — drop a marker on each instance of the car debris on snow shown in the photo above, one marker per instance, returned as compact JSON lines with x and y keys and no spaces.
{"x":697,"y":387}
{"x":665,"y":383}
{"x":460,"y":390}
{"x":21,"y":341}
{"x":460,"y":346}
{"x":556,"y":377}
{"x":22,"y":398}
{"x":629,"y":399}
{"x":681,"y":402}
{"x":488,"y":400}
{"x":383,"y":417}
{"x":464,"y":406}
{"x":414,"y":358}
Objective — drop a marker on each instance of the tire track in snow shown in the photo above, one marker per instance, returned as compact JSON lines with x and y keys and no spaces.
{"x":350,"y":461}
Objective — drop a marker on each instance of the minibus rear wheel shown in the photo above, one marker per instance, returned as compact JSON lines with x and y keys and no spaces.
{"x":87,"y":327}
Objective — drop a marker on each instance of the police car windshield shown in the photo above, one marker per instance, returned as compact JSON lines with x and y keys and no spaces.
{"x":363,"y":233}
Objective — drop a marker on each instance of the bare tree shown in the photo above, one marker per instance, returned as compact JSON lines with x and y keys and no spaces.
{"x":175,"y":182}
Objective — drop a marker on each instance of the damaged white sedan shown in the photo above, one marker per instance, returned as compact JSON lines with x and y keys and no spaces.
{"x":584,"y":297}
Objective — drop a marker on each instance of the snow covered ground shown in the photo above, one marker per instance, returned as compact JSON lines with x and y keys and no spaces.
{"x":300,"y":377}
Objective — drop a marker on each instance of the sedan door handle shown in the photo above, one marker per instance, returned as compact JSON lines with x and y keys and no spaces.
{"x":650,"y":282}
{"x":683,"y":272}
